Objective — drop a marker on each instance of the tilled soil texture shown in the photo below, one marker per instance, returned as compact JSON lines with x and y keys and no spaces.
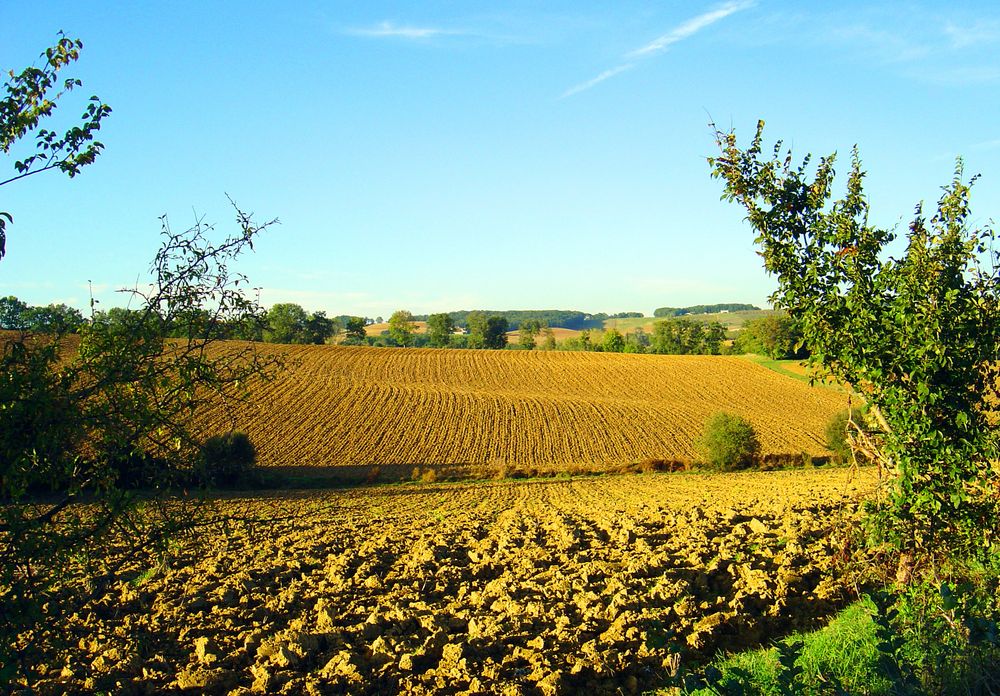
{"x":589,"y":585}
{"x":356,"y":407}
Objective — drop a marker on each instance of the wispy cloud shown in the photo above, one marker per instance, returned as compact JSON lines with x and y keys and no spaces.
{"x":689,"y":28}
{"x":981,"y":32}
{"x":607,"y":74}
{"x":390,"y":30}
{"x":662,"y":43}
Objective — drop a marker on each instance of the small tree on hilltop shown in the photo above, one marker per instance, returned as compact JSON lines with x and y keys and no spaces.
{"x":401,"y":328}
{"x":354,"y":331}
{"x":527,"y":332}
{"x":548,"y":339}
{"x":440,"y":327}
{"x":495,"y":332}
{"x":918,"y":336}
{"x":286,"y":323}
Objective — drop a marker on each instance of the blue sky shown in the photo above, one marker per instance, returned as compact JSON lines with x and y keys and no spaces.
{"x":437,"y":156}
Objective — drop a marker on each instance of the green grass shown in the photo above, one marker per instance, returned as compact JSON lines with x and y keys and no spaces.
{"x":778,"y":366}
{"x":844,"y":652}
{"x":782,"y":368}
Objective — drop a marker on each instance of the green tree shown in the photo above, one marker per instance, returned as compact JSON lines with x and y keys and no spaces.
{"x":774,"y":336}
{"x":715,"y":334}
{"x":692,"y":334}
{"x":354,"y":331}
{"x":286,"y":323}
{"x":527,"y":332}
{"x":613,"y":341}
{"x":637,"y":341}
{"x":666,"y":338}
{"x":31,"y":96}
{"x":475,"y":322}
{"x":838,"y":429}
{"x":440,"y":327}
{"x":13,"y":313}
{"x":401,"y":328}
{"x":548,"y":339}
{"x":918,"y":335}
{"x":54,"y":318}
{"x":495,"y":333}
{"x":318,"y":328}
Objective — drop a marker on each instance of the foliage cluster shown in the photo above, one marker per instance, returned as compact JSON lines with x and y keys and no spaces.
{"x":728,"y":442}
{"x":85,"y":420}
{"x":775,"y":336}
{"x":30,"y":99}
{"x":16,"y":315}
{"x":568,"y":319}
{"x":838,"y":432}
{"x":226,"y":460}
{"x":287,"y":322}
{"x":401,"y":328}
{"x":916,"y":338}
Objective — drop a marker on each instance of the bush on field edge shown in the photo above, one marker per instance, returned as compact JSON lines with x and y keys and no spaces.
{"x":728,"y":442}
{"x":226,"y":460}
{"x":836,"y":433}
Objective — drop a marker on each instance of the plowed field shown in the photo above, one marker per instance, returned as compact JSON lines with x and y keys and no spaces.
{"x":543,"y":587}
{"x":347,"y":406}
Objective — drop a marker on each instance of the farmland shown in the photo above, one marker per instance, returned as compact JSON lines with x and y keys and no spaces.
{"x":337,"y":407}
{"x":419,"y":327}
{"x":560,"y":586}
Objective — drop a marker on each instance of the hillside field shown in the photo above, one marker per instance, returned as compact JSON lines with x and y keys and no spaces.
{"x":339,"y":406}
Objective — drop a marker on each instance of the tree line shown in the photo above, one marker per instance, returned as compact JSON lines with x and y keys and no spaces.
{"x":774,"y":336}
{"x":562,"y":318}
{"x":702,"y":309}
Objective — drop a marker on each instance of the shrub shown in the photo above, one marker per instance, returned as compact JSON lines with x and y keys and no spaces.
{"x":836,"y":433}
{"x":729,"y":442}
{"x":226,"y":460}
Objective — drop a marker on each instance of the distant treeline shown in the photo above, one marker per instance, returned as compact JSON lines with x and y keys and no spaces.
{"x":774,"y":335}
{"x":53,"y":318}
{"x":703,"y":309}
{"x":556,"y":318}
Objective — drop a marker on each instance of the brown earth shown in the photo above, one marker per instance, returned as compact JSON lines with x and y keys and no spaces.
{"x":567,"y":586}
{"x":340,"y":406}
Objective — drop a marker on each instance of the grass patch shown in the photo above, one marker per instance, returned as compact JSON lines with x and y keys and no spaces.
{"x":788,"y":368}
{"x":843,"y":654}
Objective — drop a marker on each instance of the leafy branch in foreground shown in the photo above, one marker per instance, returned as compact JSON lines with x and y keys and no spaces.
{"x":917,"y":336}
{"x":31,"y":96}
{"x":84,"y":421}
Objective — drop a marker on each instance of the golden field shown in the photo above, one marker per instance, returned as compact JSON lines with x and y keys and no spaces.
{"x":561,"y":586}
{"x":338,"y":406}
{"x":377,"y":329}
